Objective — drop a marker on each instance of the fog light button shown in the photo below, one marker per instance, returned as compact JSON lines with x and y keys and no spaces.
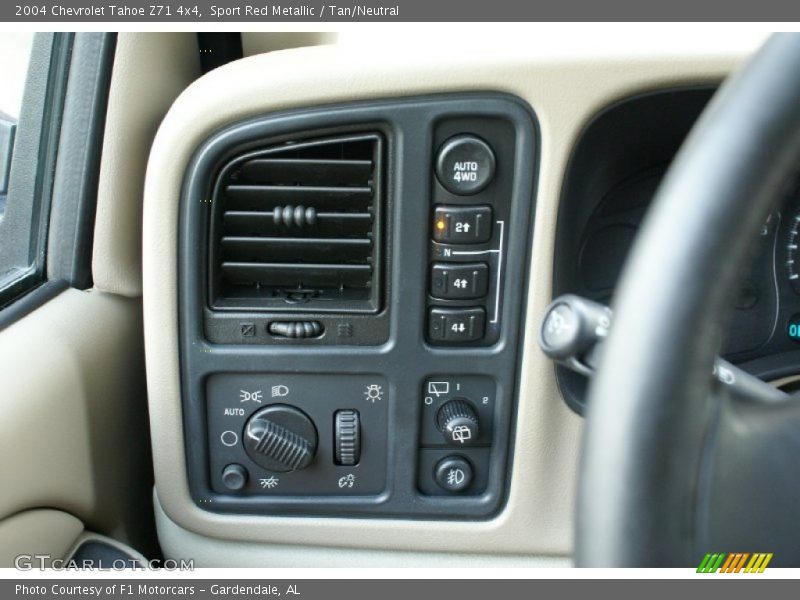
{"x":453,"y":474}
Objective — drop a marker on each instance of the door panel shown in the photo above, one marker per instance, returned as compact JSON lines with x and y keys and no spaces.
{"x":73,"y":433}
{"x":74,"y":440}
{"x":37,"y":532}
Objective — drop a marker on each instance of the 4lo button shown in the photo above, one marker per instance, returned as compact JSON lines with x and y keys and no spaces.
{"x":456,"y":325}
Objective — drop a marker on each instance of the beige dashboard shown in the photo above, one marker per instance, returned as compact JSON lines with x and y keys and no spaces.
{"x":565,"y":89}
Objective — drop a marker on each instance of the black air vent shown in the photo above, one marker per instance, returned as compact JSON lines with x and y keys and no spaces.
{"x":298,"y":227}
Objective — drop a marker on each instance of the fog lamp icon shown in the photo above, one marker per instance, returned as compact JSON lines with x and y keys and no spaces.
{"x":455,"y":477}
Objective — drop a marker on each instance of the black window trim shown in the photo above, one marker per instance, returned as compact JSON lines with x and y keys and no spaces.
{"x":74,"y":200}
{"x":71,"y":124}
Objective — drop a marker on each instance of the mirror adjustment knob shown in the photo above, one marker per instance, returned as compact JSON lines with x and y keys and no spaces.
{"x":347,"y":437}
{"x":280,"y":438}
{"x":458,"y":422}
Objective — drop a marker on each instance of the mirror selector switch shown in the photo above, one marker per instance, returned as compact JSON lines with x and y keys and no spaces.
{"x":347,"y":437}
{"x":462,"y":224}
{"x":458,"y":422}
{"x":465,"y":165}
{"x":459,"y":281}
{"x":280,"y":438}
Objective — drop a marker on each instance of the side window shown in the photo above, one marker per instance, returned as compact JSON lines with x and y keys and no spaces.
{"x":15,"y":53}
{"x":33,"y":68}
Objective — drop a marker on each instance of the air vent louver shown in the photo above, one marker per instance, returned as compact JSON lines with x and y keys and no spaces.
{"x":298,"y":227}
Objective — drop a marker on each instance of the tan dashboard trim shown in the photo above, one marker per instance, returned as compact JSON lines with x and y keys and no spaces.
{"x":149,"y":71}
{"x":564,"y":93}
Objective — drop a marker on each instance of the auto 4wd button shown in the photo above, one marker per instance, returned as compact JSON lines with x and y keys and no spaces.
{"x":465,"y":165}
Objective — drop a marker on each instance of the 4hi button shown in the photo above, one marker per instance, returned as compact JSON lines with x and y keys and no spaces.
{"x":465,"y":165}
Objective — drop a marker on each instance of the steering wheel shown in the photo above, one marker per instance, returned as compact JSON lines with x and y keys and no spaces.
{"x":675,"y":466}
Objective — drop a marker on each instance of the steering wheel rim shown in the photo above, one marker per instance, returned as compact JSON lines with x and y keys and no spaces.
{"x":653,"y":457}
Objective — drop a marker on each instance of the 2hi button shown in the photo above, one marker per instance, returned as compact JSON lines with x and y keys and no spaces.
{"x":465,"y":165}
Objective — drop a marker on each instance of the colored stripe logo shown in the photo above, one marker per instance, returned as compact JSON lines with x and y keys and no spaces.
{"x":736,"y":562}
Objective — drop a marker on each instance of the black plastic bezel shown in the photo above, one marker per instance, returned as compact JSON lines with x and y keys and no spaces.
{"x":394,"y":345}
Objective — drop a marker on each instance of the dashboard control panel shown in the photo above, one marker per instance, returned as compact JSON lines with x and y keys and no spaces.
{"x":299,"y":434}
{"x":351,"y":308}
{"x":471,"y":194}
{"x":456,"y":433}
